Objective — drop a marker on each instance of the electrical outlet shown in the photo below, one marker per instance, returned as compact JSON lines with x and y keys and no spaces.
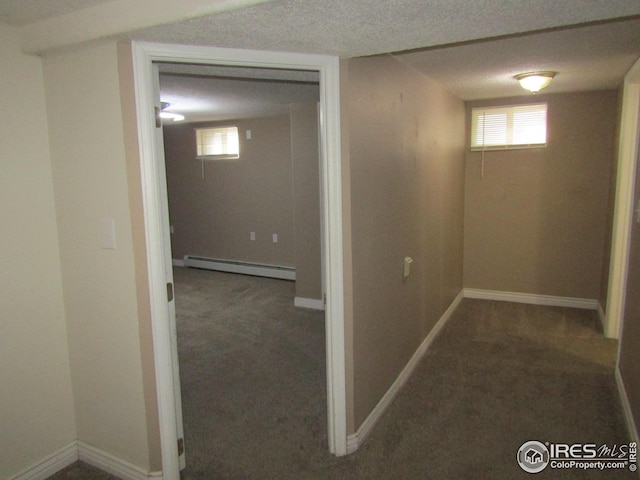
{"x":252,"y":236}
{"x":275,"y":238}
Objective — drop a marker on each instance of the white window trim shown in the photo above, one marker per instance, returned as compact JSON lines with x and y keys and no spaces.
{"x":222,"y":156}
{"x":497,"y":148}
{"x":508,"y":146}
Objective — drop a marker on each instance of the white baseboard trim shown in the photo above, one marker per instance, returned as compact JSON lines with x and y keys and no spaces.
{"x":176,"y":262}
{"x":78,"y":450}
{"x":549,"y":300}
{"x":626,"y":408}
{"x":356,"y":439}
{"x":112,"y":464}
{"x":312,"y":303}
{"x":50,"y":464}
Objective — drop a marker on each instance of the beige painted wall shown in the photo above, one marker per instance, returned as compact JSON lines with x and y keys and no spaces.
{"x":134,"y":182}
{"x":629,"y":362}
{"x":36,"y":403}
{"x":214,"y":216}
{"x":90,"y":182}
{"x":272,"y":188}
{"x":306,"y":200}
{"x":406,"y":156}
{"x":608,"y":237}
{"x":629,"y":345}
{"x":535,"y":223}
{"x":347,"y":262}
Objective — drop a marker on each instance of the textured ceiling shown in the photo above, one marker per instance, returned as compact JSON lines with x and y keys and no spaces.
{"x":593,"y":57}
{"x":588,"y":58}
{"x":351,"y":28}
{"x":339,"y":27}
{"x":472,"y":47}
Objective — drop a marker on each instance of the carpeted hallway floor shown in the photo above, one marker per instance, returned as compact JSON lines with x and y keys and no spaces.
{"x":500,"y":374}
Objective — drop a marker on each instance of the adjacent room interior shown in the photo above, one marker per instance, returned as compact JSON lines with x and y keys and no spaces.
{"x":243,"y":181}
{"x":257,"y":209}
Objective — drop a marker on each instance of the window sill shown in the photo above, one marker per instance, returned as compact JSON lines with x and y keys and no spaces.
{"x":499,"y":148}
{"x":217,"y":157}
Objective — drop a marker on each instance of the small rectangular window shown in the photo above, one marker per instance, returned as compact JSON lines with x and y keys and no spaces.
{"x":219,"y":143}
{"x":520,"y":126}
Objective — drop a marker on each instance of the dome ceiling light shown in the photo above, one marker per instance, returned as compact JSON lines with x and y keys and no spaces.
{"x":535,"y":81}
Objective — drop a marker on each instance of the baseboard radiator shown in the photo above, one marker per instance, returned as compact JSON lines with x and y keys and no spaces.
{"x":246,"y":268}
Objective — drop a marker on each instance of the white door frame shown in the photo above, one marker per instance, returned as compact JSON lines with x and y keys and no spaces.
{"x":623,"y":213}
{"x":156,"y":225}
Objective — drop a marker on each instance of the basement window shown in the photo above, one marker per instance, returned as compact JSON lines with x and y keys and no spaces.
{"x":511,"y":127}
{"x":219,"y":143}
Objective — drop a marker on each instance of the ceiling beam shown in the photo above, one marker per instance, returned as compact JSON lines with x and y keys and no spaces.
{"x":118,"y":17}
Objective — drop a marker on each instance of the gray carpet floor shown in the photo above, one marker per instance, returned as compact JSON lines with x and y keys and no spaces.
{"x":499,"y":374}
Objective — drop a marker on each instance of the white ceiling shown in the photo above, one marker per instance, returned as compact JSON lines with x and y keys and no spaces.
{"x":472,"y":47}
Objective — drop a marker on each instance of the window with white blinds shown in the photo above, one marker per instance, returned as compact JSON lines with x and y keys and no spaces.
{"x":220,"y":143}
{"x":519,"y":126}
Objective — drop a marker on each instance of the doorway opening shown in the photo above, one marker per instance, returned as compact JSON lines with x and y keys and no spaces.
{"x":251,"y":363}
{"x":157,"y":228}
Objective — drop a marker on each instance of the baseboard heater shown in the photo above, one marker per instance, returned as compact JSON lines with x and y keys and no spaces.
{"x":246,"y":268}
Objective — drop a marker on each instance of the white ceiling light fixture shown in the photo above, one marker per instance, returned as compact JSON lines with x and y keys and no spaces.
{"x":535,"y":81}
{"x":176,"y":117}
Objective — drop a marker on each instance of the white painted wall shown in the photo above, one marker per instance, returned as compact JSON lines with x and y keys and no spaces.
{"x":36,"y":402}
{"x":90,"y":182}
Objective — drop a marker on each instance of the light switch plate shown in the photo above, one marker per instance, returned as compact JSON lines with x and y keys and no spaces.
{"x":108,"y":234}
